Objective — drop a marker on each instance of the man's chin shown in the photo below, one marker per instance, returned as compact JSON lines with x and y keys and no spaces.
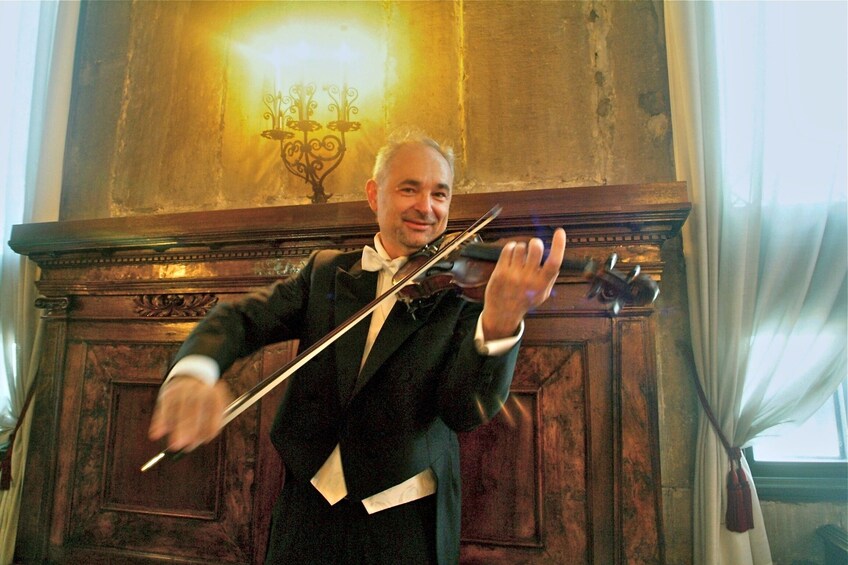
{"x":418,"y":240}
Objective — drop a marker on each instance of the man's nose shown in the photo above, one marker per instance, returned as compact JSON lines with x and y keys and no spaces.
{"x":424,"y":202}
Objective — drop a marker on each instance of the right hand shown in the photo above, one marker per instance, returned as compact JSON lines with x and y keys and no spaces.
{"x":189,"y":412}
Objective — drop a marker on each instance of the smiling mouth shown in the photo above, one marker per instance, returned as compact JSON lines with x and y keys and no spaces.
{"x":420,"y":226}
{"x":419,"y":223}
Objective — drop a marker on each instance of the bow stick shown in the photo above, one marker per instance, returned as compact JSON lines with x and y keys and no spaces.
{"x":252,"y":396}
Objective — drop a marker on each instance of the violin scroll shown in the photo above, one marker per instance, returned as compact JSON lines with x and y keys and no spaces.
{"x":616,"y":289}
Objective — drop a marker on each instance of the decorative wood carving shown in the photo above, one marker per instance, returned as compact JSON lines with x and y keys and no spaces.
{"x":568,"y":472}
{"x":170,"y":305}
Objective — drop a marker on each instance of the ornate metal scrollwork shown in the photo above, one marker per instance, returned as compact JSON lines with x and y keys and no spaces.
{"x":311,"y":158}
{"x":174,"y":305}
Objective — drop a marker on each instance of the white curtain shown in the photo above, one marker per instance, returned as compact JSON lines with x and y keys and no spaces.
{"x":37,"y":44}
{"x":758,"y":97}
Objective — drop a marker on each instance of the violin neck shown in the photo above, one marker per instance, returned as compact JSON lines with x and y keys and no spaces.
{"x":491,"y":252}
{"x":571,"y":266}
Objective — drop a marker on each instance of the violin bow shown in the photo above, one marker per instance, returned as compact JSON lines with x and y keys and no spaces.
{"x":256,"y":393}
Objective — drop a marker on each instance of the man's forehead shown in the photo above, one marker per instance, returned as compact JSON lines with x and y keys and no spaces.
{"x":419,"y":150}
{"x":415,"y":164}
{"x":410,"y":181}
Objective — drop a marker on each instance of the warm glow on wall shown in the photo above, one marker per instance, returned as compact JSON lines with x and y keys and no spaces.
{"x":315,"y":76}
{"x":322,"y":53}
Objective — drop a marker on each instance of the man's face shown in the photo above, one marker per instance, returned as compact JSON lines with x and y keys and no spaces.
{"x":413,"y":203}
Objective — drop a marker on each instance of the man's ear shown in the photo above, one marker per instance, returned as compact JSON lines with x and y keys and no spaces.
{"x":371,"y":188}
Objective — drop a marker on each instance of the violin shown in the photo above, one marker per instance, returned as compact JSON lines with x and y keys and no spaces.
{"x":466,"y":272}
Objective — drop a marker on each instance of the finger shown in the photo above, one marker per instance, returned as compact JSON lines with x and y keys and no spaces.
{"x":507,"y":255}
{"x":520,"y":256}
{"x":210,"y":414}
{"x":535,"y":251}
{"x":557,"y":252}
{"x":519,"y":252}
{"x":204,"y":422}
{"x":183,"y":423}
{"x":157,"y":424}
{"x":162,"y":422}
{"x":211,"y":417}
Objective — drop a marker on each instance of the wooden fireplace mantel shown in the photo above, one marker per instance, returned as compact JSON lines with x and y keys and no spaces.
{"x":622,"y":212}
{"x":567,"y":473}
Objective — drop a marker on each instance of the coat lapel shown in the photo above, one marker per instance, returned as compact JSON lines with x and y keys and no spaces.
{"x":397,"y":328}
{"x":354,"y":289}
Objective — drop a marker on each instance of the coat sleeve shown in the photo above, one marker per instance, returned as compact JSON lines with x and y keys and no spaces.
{"x":474,"y":387}
{"x":237,"y":329}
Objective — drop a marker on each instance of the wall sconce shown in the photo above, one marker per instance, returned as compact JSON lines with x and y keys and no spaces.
{"x":303,"y":153}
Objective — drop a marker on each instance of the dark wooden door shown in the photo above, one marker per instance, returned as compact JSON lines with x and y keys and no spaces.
{"x":555,"y":477}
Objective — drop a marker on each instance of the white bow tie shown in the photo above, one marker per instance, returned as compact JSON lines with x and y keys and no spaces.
{"x":372,"y":261}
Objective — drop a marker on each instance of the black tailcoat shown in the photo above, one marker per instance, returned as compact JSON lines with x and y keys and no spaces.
{"x":422,"y":382}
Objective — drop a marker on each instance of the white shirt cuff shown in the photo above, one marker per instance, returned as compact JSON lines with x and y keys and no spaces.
{"x":198,"y":366}
{"x":495,"y":347}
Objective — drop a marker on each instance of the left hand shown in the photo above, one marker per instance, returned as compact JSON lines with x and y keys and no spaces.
{"x":519,"y":283}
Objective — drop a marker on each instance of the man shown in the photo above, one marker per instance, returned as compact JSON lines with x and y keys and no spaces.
{"x":367,"y":430}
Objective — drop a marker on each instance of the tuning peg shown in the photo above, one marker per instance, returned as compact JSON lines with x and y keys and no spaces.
{"x":615,"y":306}
{"x":594,"y":289}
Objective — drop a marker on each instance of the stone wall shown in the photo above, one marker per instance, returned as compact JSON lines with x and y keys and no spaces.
{"x":168,"y":111}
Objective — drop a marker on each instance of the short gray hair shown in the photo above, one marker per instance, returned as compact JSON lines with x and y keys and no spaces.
{"x":400,"y":139}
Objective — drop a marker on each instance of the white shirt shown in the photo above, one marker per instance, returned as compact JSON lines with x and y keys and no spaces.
{"x":329,"y":480}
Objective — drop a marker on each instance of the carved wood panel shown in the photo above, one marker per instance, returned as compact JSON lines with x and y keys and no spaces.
{"x":540,"y":443}
{"x":639,"y":432}
{"x":202,"y":506}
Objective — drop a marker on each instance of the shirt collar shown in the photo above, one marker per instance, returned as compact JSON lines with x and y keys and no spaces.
{"x":376,"y":258}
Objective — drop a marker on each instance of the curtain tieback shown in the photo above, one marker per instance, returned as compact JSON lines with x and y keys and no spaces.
{"x":740,"y":513}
